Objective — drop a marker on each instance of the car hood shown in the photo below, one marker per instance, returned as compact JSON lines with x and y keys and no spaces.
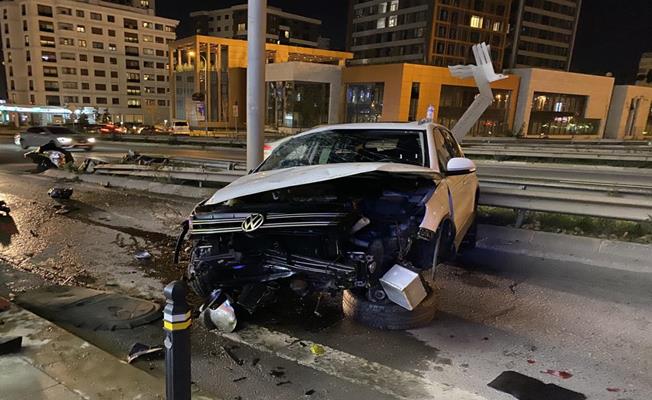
{"x":282,"y":178}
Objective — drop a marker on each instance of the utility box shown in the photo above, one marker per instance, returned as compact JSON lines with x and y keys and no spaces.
{"x":403,"y":287}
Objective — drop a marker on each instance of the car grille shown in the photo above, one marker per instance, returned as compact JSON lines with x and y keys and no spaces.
{"x":227,"y":223}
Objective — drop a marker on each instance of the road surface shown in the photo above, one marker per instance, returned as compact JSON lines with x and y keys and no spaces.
{"x":497,"y":312}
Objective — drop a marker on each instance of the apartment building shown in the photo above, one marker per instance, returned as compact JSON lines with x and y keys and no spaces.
{"x":282,"y":27}
{"x":110,"y":57}
{"x":436,"y":32}
{"x":644,"y":76}
{"x":542,"y":33}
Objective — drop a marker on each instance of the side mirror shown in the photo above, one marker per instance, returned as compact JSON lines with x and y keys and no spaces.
{"x":460,"y":166}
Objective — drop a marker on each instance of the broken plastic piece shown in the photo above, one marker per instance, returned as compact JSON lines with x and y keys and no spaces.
{"x":139,"y":350}
{"x":10,"y":344}
{"x":221,"y":317}
{"x":317,"y":350}
{"x":60,"y":193}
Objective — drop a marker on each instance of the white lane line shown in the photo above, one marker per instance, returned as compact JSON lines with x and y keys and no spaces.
{"x":354,"y":369}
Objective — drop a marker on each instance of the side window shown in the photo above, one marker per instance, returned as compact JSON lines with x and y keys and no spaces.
{"x":452,"y":144}
{"x":444,"y":151}
{"x":34,"y":130}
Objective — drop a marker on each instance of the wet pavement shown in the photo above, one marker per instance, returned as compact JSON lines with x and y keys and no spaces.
{"x":497,"y":313}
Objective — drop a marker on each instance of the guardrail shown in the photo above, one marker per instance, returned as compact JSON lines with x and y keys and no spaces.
{"x":609,"y":200}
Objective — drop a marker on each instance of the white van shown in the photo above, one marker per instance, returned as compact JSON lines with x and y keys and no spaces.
{"x":180,"y":127}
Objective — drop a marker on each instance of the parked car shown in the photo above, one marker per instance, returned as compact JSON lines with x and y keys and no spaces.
{"x":180,"y":127}
{"x":61,"y":136}
{"x":109,"y":129}
{"x":370,"y":209}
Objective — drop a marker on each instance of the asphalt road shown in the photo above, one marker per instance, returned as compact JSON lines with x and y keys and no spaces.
{"x":497,"y":312}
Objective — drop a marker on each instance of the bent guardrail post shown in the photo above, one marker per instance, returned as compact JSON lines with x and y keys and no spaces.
{"x":176,"y":323}
{"x":483,"y":73}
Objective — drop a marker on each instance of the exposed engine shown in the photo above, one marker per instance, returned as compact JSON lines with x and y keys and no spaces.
{"x":322,"y":237}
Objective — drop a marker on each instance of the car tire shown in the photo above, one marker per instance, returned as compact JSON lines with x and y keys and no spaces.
{"x":388,"y":316}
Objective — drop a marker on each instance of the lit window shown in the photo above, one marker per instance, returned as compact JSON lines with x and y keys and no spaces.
{"x":380,"y":24}
{"x":496,"y":26}
{"x":81,"y":28}
{"x":382,"y":8}
{"x":476,"y":21}
{"x":393,"y":6}
{"x":393,"y":21}
{"x":242,"y":27}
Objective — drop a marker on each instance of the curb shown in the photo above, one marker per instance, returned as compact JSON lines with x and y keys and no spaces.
{"x":76,"y":364}
{"x":603,"y":253}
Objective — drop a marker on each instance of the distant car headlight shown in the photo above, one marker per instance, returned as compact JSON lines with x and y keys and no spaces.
{"x":91,"y":140}
{"x":64,"y":140}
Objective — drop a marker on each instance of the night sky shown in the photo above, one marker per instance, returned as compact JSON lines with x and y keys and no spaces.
{"x":611,"y":37}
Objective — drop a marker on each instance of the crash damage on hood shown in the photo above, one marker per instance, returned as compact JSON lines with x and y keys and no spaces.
{"x":313,"y":229}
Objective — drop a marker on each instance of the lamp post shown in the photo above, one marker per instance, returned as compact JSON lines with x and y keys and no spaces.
{"x":202,"y":58}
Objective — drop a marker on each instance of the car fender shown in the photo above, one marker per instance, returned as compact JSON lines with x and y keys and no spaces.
{"x":438,"y":207}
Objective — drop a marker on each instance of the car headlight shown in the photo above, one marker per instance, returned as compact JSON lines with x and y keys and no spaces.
{"x":91,"y":140}
{"x":64,"y":140}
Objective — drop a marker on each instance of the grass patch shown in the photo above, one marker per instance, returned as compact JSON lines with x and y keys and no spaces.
{"x":605,"y":228}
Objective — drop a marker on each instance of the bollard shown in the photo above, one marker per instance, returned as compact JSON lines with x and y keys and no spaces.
{"x":176,"y":323}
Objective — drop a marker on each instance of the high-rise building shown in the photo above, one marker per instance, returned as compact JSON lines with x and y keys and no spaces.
{"x":542,"y":33}
{"x":438,"y":32}
{"x":644,"y":76}
{"x":282,"y":27}
{"x":106,"y":56}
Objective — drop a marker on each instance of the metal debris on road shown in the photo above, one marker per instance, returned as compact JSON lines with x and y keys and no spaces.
{"x":143,"y":255}
{"x":242,"y":378}
{"x":10,"y":344}
{"x":524,"y":387}
{"x":139,"y":350}
{"x":232,"y":355}
{"x":60,"y":193}
{"x":310,"y":392}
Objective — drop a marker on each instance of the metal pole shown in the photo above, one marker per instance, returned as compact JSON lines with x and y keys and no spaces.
{"x":176,"y":323}
{"x":256,"y":28}
{"x":206,"y":93}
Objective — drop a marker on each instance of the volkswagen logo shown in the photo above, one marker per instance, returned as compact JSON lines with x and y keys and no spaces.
{"x":253,"y":222}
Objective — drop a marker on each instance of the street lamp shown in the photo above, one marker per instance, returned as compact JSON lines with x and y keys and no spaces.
{"x":191,"y":53}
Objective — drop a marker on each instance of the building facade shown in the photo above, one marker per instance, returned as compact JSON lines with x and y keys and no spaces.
{"x":561,"y":104}
{"x":208,"y":84}
{"x":282,"y":27}
{"x":630,"y":113}
{"x":437,"y":32}
{"x":644,"y":76}
{"x":542,"y":33}
{"x":108,"y":57}
{"x":403,"y":92}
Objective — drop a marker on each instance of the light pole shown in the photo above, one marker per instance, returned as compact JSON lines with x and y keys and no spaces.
{"x":256,"y":28}
{"x":202,"y":58}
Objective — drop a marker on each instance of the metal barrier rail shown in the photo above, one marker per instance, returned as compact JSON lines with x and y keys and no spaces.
{"x":560,"y":154}
{"x":627,"y":202}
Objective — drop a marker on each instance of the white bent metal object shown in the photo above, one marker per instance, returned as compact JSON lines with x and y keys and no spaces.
{"x":483,"y":73}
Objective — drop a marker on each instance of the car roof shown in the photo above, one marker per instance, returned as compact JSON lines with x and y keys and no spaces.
{"x":374,"y":125}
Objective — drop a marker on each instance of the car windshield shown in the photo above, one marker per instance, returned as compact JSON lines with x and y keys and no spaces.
{"x":180,"y":124}
{"x":60,"y":130}
{"x":349,"y":145}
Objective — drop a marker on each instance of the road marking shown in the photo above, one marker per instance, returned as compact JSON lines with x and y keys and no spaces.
{"x":354,"y":369}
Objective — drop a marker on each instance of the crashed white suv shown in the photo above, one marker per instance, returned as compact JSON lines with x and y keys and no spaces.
{"x":370,"y":209}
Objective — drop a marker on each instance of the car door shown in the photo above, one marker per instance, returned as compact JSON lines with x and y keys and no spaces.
{"x":462,"y":187}
{"x":32,"y":137}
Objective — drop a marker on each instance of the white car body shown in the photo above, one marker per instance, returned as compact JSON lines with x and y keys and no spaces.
{"x":41,"y":135}
{"x":455,"y":198}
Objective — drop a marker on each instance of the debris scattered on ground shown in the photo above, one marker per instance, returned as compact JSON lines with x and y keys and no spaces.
{"x":558,"y":374}
{"x":4,"y":208}
{"x":277,"y":373}
{"x":530,"y":361}
{"x":34,"y":234}
{"x":240,"y":379}
{"x":283,"y":383}
{"x":485,"y":338}
{"x":317,"y":350}
{"x":60,"y":193}
{"x":310,"y":392}
{"x":255,"y":362}
{"x":232,"y":355}
{"x":10,"y":344}
{"x":143,"y":255}
{"x":524,"y":387}
{"x":88,"y":165}
{"x":63,"y":210}
{"x":614,"y":390}
{"x":139,"y":350}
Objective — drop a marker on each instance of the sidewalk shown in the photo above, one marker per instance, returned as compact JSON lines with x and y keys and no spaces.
{"x":54,"y":364}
